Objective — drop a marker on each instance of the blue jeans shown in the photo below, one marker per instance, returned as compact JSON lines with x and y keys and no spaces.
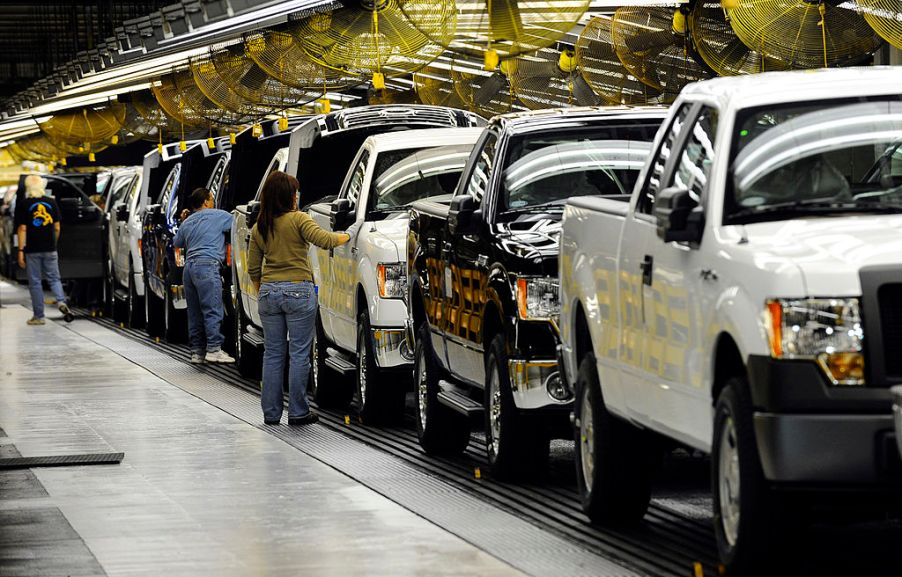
{"x":287,"y":313}
{"x":46,"y":263}
{"x":203,"y":291}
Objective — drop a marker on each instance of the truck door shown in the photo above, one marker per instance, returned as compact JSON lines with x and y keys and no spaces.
{"x":117,"y":199}
{"x":640,"y":360}
{"x":81,"y":233}
{"x":681,"y":288}
{"x":466,"y":258}
{"x":342,"y":292}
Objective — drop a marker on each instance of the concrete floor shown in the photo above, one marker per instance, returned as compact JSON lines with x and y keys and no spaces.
{"x":199,"y":492}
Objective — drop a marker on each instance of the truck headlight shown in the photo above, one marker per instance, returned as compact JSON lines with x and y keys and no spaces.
{"x":826,"y":330}
{"x":392,"y":280}
{"x":538,"y":298}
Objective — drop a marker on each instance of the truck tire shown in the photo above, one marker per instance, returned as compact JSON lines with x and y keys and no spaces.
{"x":247,"y":357}
{"x":747,"y":512}
{"x":515,"y":445}
{"x":176,"y":326}
{"x":328,"y":388}
{"x":440,"y":430}
{"x":376,"y":396}
{"x":614,"y":460}
{"x":109,"y":283}
{"x":134,"y":305}
{"x":153,"y":311}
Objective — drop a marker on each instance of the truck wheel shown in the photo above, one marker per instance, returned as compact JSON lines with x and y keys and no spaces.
{"x":376,"y":397}
{"x":330,"y":389}
{"x":747,"y":518}
{"x":247,"y":357}
{"x":514,"y":445}
{"x":440,"y":430}
{"x":153,"y":311}
{"x":135,"y":307}
{"x":176,"y":320}
{"x":614,"y":460}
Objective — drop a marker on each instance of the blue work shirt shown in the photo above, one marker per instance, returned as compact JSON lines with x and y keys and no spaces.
{"x":201,"y":234}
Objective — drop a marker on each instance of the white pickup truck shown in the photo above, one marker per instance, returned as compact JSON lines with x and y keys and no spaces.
{"x":746,"y":302}
{"x":362,"y":286}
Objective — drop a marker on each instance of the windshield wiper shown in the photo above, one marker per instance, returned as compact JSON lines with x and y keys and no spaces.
{"x":816,"y":206}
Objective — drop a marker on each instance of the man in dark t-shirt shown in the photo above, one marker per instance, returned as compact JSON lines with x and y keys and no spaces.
{"x":37,"y":222}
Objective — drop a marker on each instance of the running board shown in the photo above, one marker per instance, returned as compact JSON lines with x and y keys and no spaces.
{"x":252,"y":339}
{"x":456,"y":401}
{"x":337,"y":361}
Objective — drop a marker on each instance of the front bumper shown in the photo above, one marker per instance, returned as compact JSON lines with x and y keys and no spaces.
{"x":537,"y":384}
{"x":811,"y":432}
{"x":391,"y":347}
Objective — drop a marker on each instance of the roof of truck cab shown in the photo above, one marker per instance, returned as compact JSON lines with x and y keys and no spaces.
{"x":425,"y":138}
{"x":550,"y":117}
{"x":798,"y":85}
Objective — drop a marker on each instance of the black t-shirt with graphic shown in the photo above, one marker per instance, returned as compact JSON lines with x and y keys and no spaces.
{"x":38,"y":215}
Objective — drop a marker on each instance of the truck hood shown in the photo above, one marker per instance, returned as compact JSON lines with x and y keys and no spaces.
{"x":533,"y":238}
{"x":829,"y":252}
{"x":390,"y":236}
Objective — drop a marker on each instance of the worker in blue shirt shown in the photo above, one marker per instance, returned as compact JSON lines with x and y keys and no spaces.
{"x":201,"y":236}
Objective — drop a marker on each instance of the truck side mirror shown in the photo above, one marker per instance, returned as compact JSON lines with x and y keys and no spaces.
{"x":461,"y":215}
{"x":678,"y":216}
{"x":253,"y":211}
{"x":339,"y":212}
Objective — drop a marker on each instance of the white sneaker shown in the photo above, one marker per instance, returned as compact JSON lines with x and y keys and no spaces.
{"x":197,"y":359}
{"x":219,"y":356}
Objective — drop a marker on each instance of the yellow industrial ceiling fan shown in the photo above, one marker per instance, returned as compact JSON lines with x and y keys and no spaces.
{"x":87,"y":126}
{"x":253,"y":84}
{"x":485,"y":93}
{"x":283,"y":57}
{"x":885,"y":17}
{"x":497,"y":30}
{"x":181,"y":98}
{"x":435,"y":86}
{"x":220,"y":92}
{"x":803,"y":33}
{"x":718,"y":45}
{"x":374,"y":38}
{"x":653,"y":44}
{"x":551,"y":79}
{"x":602,"y":69}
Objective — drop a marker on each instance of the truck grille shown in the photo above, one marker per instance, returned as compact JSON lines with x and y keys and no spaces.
{"x":889,"y":297}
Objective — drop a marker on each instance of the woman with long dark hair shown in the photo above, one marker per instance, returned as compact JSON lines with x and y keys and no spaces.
{"x":278,"y":267}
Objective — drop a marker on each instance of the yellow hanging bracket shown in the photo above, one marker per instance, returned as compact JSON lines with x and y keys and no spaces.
{"x":231,"y":138}
{"x":91,"y":157}
{"x":323,"y":106}
{"x":114,"y":139}
{"x":567,"y":61}
{"x":679,"y":23}
{"x":378,"y":81}
{"x":183,"y":146}
{"x":211,"y":144}
{"x":283,"y":124}
{"x":257,"y":131}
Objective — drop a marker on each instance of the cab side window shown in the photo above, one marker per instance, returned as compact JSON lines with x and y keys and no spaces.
{"x":356,"y":183}
{"x":481,"y":172}
{"x":646,"y":200}
{"x":121,"y":187}
{"x":694,"y":163}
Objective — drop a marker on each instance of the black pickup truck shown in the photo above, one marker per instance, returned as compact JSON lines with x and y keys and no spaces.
{"x":483,"y":282}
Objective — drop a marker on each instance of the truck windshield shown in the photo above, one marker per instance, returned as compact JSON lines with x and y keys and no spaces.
{"x":816,"y":158}
{"x":543,"y":170}
{"x":423,"y":174}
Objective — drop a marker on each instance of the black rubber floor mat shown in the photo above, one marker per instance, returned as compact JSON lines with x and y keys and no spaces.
{"x":62,"y":460}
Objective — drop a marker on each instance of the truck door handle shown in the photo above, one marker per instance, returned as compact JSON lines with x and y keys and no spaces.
{"x":353,"y":250}
{"x":646,"y":267}
{"x":446,"y":247}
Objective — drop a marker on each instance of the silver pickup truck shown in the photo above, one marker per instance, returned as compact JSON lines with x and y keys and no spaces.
{"x":363,"y":312}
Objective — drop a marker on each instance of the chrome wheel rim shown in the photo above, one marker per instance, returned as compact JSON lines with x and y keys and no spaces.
{"x":728,"y":481}
{"x":422,"y":390}
{"x":494,"y":440}
{"x":361,"y":372}
{"x":587,"y":439}
{"x":238,"y":333}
